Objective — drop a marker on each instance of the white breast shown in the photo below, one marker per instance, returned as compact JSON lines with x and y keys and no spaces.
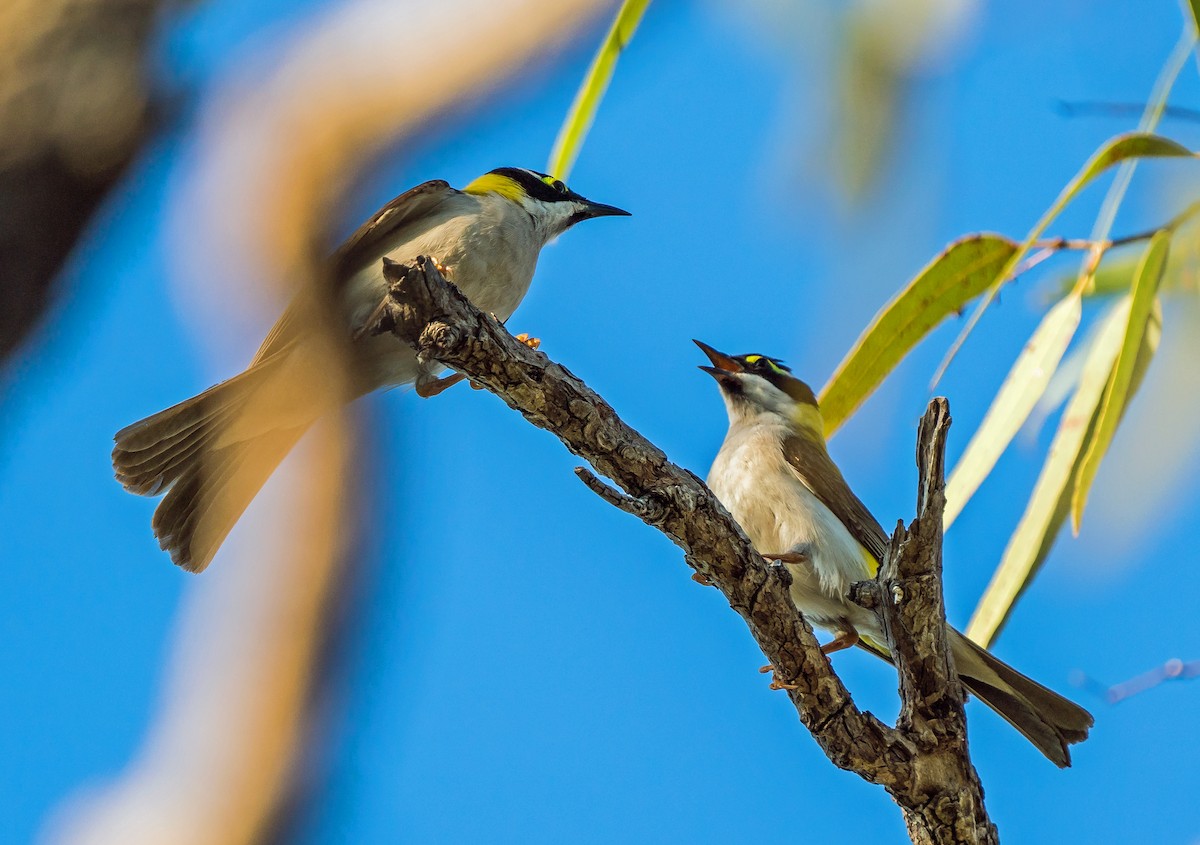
{"x":495,"y":273}
{"x":779,"y":514}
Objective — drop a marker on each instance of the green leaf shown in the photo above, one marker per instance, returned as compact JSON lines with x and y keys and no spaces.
{"x":1024,"y":386}
{"x":587,"y":100}
{"x":1113,"y":276}
{"x":1049,"y":504}
{"x":1145,"y":293}
{"x":964,"y":269}
{"x":1131,"y":145}
{"x":1047,"y":507}
{"x":1194,"y":8}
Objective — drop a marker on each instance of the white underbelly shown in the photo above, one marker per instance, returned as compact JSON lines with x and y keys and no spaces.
{"x":780,"y":514}
{"x":495,"y":276}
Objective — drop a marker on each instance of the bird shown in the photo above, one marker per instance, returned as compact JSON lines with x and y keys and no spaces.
{"x":209,"y":455}
{"x":774,"y":475}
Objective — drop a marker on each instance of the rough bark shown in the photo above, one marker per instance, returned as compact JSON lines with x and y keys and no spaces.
{"x":923,"y":761}
{"x":945,"y":800}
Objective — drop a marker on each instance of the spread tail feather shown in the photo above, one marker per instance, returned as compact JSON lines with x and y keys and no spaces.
{"x":212,"y":491}
{"x":1044,"y":717}
{"x":153,"y":453}
{"x":211,"y":454}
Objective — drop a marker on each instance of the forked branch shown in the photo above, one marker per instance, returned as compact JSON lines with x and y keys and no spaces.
{"x":923,"y":763}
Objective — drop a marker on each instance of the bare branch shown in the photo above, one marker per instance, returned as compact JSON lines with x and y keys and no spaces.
{"x":914,"y":616}
{"x":923,"y":763}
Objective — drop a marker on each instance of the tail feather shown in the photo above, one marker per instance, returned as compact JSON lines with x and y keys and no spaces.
{"x":149,"y":474}
{"x":209,"y":497}
{"x":1044,"y":717}
{"x":153,"y":453}
{"x":211,"y":454}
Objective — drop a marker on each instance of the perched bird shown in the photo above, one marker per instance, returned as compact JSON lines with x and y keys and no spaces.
{"x":212,"y":453}
{"x":774,"y":475}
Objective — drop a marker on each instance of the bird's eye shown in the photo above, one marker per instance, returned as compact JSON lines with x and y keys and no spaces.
{"x":559,"y":186}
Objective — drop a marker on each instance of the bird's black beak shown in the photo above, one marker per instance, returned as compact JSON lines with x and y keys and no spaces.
{"x":724,"y":365}
{"x":599,"y":209}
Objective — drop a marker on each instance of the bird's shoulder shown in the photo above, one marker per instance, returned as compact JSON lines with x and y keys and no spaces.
{"x":811,"y":462}
{"x":362,"y":247}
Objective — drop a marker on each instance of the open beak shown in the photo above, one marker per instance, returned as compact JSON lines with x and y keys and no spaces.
{"x":722,"y":363}
{"x":599,"y":209}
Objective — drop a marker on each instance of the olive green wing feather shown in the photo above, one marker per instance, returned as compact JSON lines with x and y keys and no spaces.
{"x":361,"y":248}
{"x":364,"y":246}
{"x":820,"y":474}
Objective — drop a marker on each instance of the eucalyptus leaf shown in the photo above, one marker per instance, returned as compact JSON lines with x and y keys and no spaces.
{"x":1145,"y":293}
{"x":1049,"y":504}
{"x":587,"y":100}
{"x":1016,"y":399}
{"x":1126,"y":147}
{"x":964,"y":269}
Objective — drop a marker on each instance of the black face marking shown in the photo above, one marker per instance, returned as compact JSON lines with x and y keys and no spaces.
{"x":780,"y":375}
{"x":539,"y":186}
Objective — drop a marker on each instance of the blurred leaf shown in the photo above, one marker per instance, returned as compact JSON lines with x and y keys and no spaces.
{"x":1049,"y":504}
{"x":1025,"y":384}
{"x":1113,"y":276}
{"x":869,"y":87}
{"x":964,"y":269}
{"x":587,"y":100}
{"x":1047,"y":508}
{"x":1145,"y":292}
{"x":1194,"y":8}
{"x":1131,"y":145}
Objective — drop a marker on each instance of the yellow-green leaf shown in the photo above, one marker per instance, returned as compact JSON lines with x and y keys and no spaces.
{"x":964,"y":269}
{"x":1049,"y":504}
{"x":1131,"y":145}
{"x":1113,"y":276}
{"x":1194,"y":8}
{"x":583,"y":110}
{"x":1023,"y":387}
{"x":1145,"y":292}
{"x":1047,"y":507}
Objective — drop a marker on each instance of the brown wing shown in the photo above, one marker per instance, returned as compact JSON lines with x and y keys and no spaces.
{"x":361,"y":248}
{"x":821,"y":475}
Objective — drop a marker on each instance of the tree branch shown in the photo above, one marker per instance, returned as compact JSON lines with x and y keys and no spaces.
{"x":923,"y":762}
{"x":910,"y":602}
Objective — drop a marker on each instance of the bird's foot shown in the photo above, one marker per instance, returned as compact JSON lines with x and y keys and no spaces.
{"x":428,"y":386}
{"x":776,"y":684}
{"x":786,"y":557}
{"x":842,"y":640}
{"x":531,"y":342}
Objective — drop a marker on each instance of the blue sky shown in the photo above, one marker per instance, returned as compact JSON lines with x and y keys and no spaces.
{"x":612,"y":698}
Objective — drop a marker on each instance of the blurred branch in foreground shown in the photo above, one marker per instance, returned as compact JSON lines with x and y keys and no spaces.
{"x":73,"y":112}
{"x":1173,"y":670}
{"x":923,"y":762}
{"x":273,"y":158}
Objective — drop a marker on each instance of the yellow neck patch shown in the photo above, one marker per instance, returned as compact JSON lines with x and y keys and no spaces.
{"x":808,"y":418}
{"x":494,"y":183}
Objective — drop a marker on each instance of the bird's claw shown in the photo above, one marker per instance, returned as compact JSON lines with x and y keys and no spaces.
{"x":776,"y":684}
{"x":841,"y":640}
{"x":786,"y":557}
{"x":429,"y":387}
